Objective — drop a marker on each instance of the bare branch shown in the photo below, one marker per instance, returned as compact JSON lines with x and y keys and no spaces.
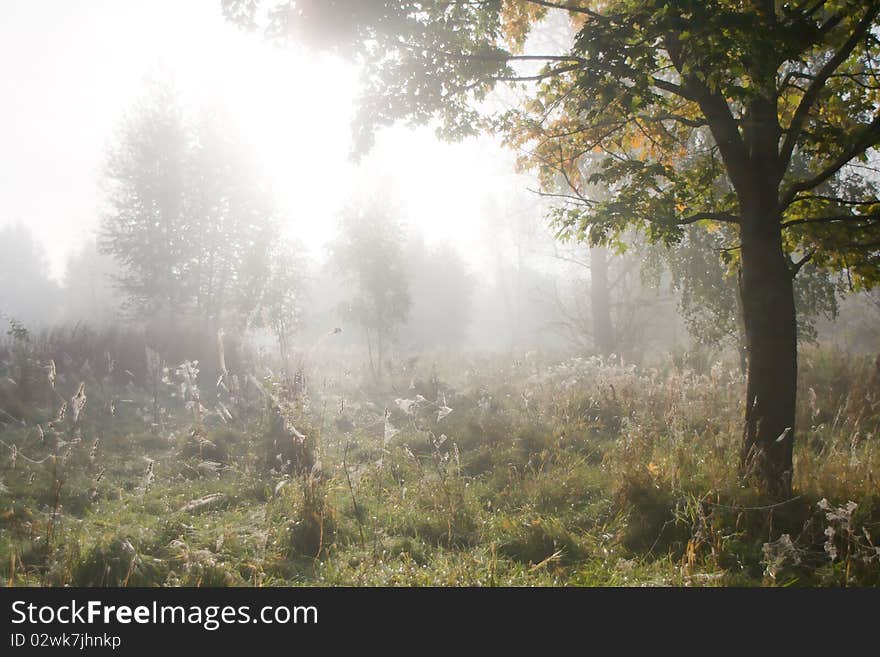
{"x":568,"y":197}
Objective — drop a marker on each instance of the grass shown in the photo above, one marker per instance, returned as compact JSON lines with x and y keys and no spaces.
{"x":570,"y":472}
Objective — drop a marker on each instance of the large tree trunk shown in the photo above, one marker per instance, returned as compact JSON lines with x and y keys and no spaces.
{"x":750,"y":151}
{"x":771,"y":344}
{"x":600,"y":301}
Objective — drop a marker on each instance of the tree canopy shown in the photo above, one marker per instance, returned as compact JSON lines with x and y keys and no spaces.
{"x":664,"y":91}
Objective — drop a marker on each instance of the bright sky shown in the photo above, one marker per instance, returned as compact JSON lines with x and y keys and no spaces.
{"x":70,"y":70}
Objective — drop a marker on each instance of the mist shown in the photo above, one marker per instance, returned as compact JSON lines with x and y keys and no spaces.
{"x":402,"y":291}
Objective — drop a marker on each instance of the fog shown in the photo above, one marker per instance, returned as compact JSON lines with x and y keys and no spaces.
{"x":72,"y":73}
{"x":481,"y":254}
{"x":76,"y":74}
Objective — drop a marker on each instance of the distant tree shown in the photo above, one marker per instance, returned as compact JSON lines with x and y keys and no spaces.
{"x":681,"y":99}
{"x":282,"y":301}
{"x":516,"y":239}
{"x":606,"y":327}
{"x":27,"y":294}
{"x":189,"y":221}
{"x":230,"y":228}
{"x":369,"y":254}
{"x":600,"y":301}
{"x":144,"y":227}
{"x":857,"y":329}
{"x":615,"y":302}
{"x":441,"y":290}
{"x":89,"y":293}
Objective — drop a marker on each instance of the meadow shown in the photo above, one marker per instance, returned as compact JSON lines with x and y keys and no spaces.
{"x":124,"y":466}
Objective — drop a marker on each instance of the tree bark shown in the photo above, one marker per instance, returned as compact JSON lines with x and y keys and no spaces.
{"x":771,"y":346}
{"x":741,"y":347}
{"x":600,"y":301}
{"x":766,"y":284}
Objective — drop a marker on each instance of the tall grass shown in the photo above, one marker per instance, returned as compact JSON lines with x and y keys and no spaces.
{"x":485,"y":471}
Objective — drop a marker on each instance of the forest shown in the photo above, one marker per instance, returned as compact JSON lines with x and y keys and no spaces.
{"x":442,"y":293}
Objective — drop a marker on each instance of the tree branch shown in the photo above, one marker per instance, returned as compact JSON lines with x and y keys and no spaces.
{"x":507,"y":57}
{"x":721,"y":121}
{"x":724,"y":217}
{"x":575,"y":9}
{"x":535,"y":78}
{"x":693,"y":123}
{"x":568,"y":197}
{"x":673,"y":88}
{"x":834,"y":199}
{"x":814,"y":9}
{"x":869,"y":138}
{"x":796,"y":266}
{"x":812,"y":93}
{"x":831,"y":219}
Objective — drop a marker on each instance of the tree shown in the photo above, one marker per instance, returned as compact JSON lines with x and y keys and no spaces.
{"x":369,"y":254}
{"x":89,"y":293}
{"x":616,"y":303}
{"x":189,"y":220}
{"x":607,"y":333}
{"x":281,"y":304}
{"x":230,"y":226}
{"x":440,"y":288}
{"x":515,"y":240}
{"x":708,"y":295}
{"x":696,"y":109}
{"x":144,"y":227}
{"x":27,"y":294}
